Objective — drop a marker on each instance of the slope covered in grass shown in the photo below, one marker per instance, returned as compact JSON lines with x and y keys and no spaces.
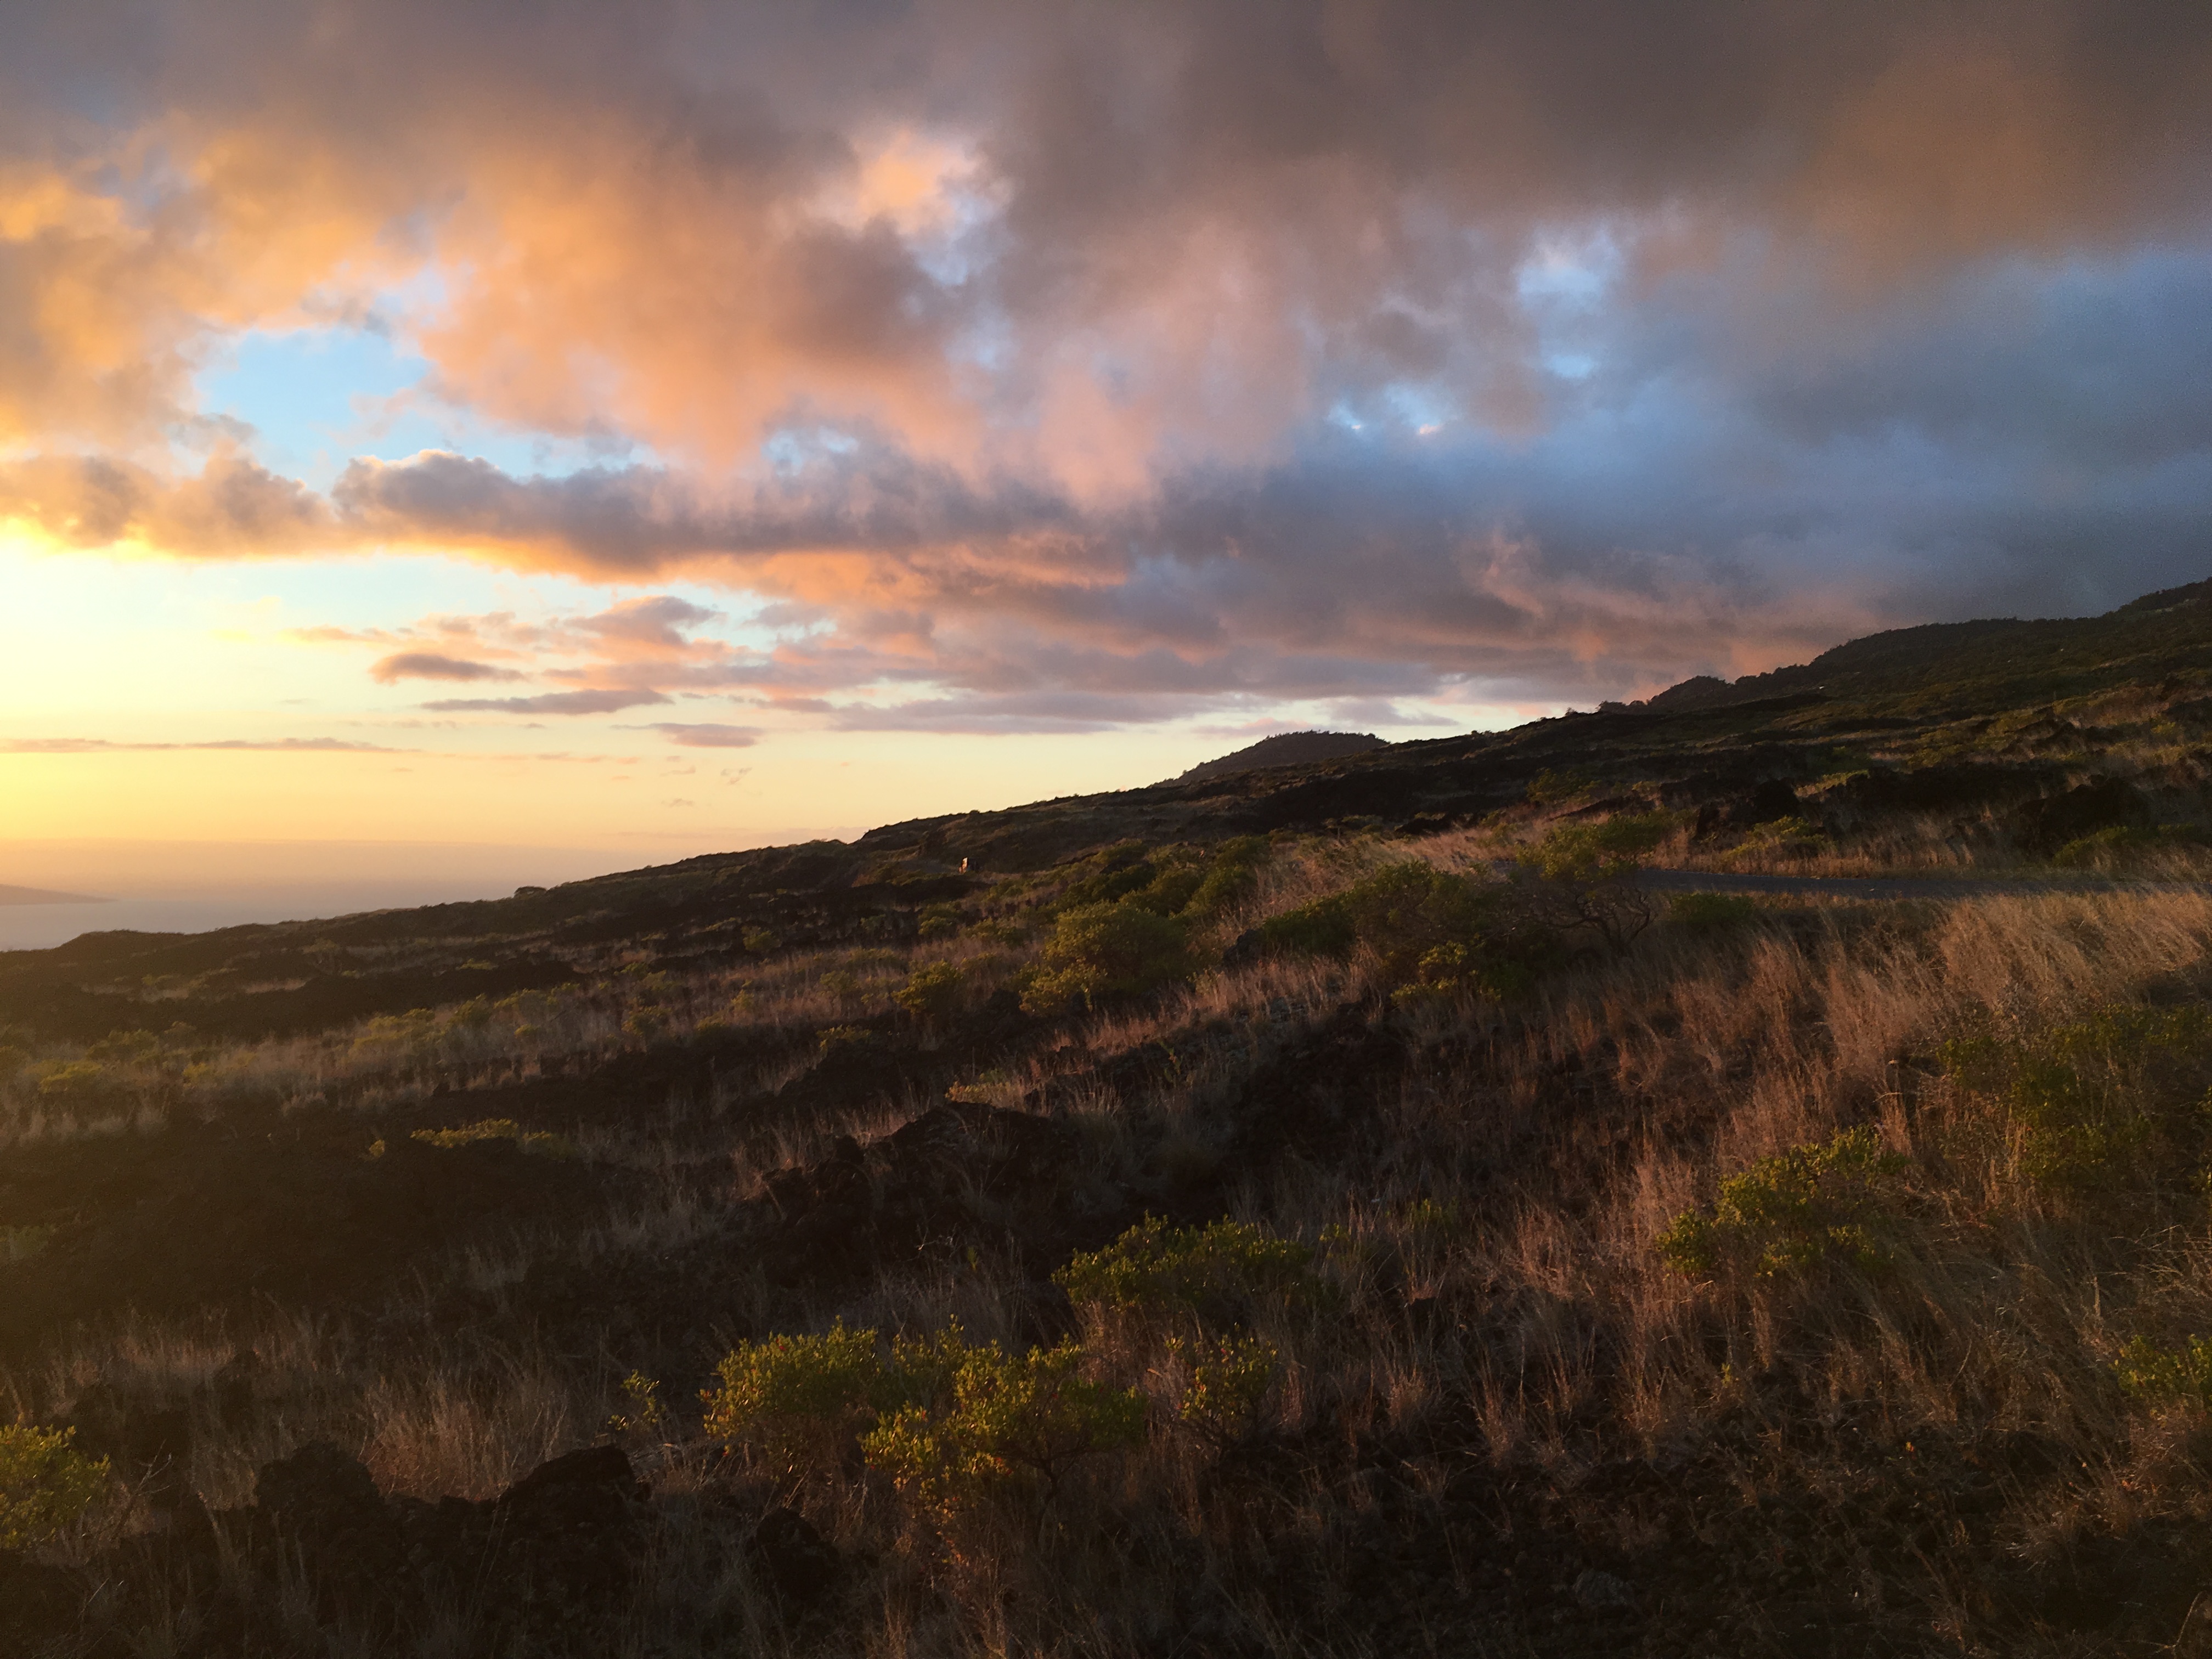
{"x":1335,"y":1211}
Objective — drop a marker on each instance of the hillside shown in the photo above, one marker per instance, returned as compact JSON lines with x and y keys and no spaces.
{"x":1331,"y":1207}
{"x":1284,"y":749}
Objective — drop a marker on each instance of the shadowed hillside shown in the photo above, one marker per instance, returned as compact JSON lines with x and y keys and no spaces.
{"x":1331,"y":1207}
{"x":1284,"y":749}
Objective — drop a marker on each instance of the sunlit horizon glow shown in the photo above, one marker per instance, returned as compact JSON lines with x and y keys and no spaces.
{"x":651,"y":427}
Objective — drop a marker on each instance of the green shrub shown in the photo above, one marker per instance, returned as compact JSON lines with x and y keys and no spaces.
{"x":933,"y":992}
{"x":948,"y":1420}
{"x":1324,"y":927}
{"x":1113,"y":875}
{"x":1710,"y":912}
{"x":1452,"y":972}
{"x":1229,"y":1379}
{"x":1555,"y":788}
{"x":2090,"y":1099}
{"x":1576,"y":878}
{"x":796,"y":1402}
{"x":758,"y":941}
{"x":2159,"y":1375}
{"x":835,"y":1038}
{"x":45,"y":1484}
{"x":1791,"y":837}
{"x":1212,"y":1270}
{"x":1232,"y":875}
{"x":1170,"y":883}
{"x":474,"y":1015}
{"x":641,"y":1411}
{"x":1000,"y":1422}
{"x":125,"y":1048}
{"x":1605,"y":851}
{"x":1103,"y":951}
{"x":76,"y":1080}
{"x":540,"y":1143}
{"x":938,"y":921}
{"x":1437,"y":932}
{"x":645,"y":1023}
{"x":2112,"y":847}
{"x":1787,"y":1214}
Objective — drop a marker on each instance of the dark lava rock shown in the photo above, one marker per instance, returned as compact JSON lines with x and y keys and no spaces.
{"x":792,"y":1558}
{"x":38,"y":1603}
{"x":146,"y":1440}
{"x":322,"y":1504}
{"x":957,"y":1177}
{"x":1771,"y":799}
{"x":2108,"y":803}
{"x":1604,"y":1592}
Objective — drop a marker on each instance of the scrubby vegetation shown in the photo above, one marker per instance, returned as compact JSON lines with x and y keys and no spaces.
{"x":1344,"y":1210}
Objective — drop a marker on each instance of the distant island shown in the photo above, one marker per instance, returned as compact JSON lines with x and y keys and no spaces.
{"x":41,"y":895}
{"x":1284,"y":749}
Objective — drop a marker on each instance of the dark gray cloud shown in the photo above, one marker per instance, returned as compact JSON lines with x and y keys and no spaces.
{"x":549,"y":702}
{"x":434,"y":665}
{"x":707,"y":735}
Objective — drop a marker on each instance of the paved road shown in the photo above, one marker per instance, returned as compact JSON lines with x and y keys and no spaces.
{"x":1903,"y":887}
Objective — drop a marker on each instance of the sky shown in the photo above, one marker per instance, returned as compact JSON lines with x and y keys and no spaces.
{"x":626,"y":428}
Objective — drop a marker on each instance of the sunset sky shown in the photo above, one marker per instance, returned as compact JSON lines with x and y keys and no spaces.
{"x":640,"y":428}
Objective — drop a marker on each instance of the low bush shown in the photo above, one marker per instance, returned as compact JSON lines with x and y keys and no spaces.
{"x":1231,"y":874}
{"x":1552,"y":787}
{"x":947,"y":1421}
{"x":540,"y":1143}
{"x":1217,"y":1271}
{"x":1425,"y":927}
{"x":2096,"y":1100}
{"x":933,"y":992}
{"x":1452,"y":972}
{"x":796,"y":1403}
{"x":2159,"y":1375}
{"x":1111,"y":875}
{"x":125,"y":1048}
{"x":1604,"y":851}
{"x":45,"y":1484}
{"x":998,"y":1425}
{"x":77,"y":1080}
{"x":1099,"y":951}
{"x":1788,"y":1213}
{"x":2116,"y":846}
{"x":642,"y":1412}
{"x":1790,"y":837}
{"x":1226,"y":1384}
{"x":1578,"y":880}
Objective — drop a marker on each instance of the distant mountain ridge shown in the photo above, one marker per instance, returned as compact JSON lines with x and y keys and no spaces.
{"x":1284,"y":749}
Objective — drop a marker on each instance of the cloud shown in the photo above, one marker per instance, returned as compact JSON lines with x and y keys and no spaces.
{"x":1032,"y":369}
{"x":707,"y":735}
{"x":549,"y":702}
{"x":268,"y":745}
{"x":432,"y":665}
